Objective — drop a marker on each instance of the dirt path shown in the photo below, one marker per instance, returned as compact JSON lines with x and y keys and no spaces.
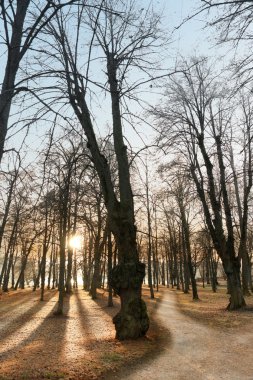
{"x":196,"y":352}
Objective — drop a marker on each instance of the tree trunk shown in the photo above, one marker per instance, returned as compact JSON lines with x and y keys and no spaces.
{"x":185,"y":262}
{"x":61,"y":281}
{"x":126,"y":278}
{"x":12,"y":65}
{"x":150,"y":284}
{"x":109,"y":245}
{"x":50,"y":269}
{"x":98,"y":250}
{"x":75,"y":284}
{"x":54,"y":279}
{"x":163,"y":272}
{"x":4,"y":266}
{"x":186,"y":242}
{"x":96,"y":273}
{"x":167,"y":268}
{"x":69,"y":271}
{"x":11,"y":247}
{"x":21,"y":278}
{"x":213,"y":270}
{"x":224,"y":244}
{"x":88,"y":267}
{"x":232,"y":270}
{"x":37,"y":278}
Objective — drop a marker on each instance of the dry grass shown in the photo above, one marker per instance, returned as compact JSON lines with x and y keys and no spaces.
{"x":211,"y":308}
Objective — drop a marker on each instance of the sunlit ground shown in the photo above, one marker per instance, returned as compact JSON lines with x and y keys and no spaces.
{"x":35,"y":344}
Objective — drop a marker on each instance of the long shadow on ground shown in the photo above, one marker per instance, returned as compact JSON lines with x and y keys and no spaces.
{"x":19,"y":315}
{"x":158,"y":336}
{"x":33,"y":356}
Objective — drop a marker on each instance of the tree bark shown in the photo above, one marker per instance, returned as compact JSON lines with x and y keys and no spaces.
{"x":13,"y":60}
{"x":109,"y":244}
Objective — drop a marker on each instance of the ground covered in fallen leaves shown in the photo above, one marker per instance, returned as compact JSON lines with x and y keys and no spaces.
{"x":36,"y":344}
{"x":210,"y":309}
{"x":80,"y":345}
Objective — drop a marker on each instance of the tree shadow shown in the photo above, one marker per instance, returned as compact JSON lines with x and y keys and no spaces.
{"x":40,"y":351}
{"x":157,"y":340}
{"x":11,"y":299}
{"x":159,"y":337}
{"x":18,"y":317}
{"x":92,"y":317}
{"x":102,"y":302}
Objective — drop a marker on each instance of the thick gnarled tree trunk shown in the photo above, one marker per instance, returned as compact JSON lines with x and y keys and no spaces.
{"x":132,"y":321}
{"x":126,"y":279}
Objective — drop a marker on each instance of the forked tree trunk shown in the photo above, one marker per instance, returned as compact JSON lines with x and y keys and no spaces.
{"x":132,"y":321}
{"x":231,"y":263}
{"x":224,"y":245}
{"x":126,"y":277}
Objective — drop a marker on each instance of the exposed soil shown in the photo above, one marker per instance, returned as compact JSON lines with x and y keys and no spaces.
{"x":35,"y":344}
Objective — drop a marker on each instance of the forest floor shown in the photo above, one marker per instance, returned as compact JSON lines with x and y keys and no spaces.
{"x":36,"y":344}
{"x":210,"y":309}
{"x":193,"y":340}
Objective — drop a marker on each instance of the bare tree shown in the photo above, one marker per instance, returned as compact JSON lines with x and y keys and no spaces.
{"x":126,"y":37}
{"x":21,"y":23}
{"x":179,"y":189}
{"x":233,"y":22}
{"x":197,"y":120}
{"x":243,"y":180}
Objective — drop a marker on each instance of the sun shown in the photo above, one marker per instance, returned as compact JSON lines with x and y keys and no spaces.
{"x":75,"y":242}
